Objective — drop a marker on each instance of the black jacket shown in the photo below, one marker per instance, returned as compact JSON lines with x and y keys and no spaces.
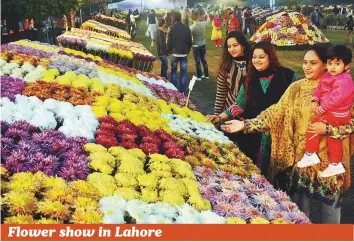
{"x":161,"y":42}
{"x":179,"y":39}
{"x":258,"y":101}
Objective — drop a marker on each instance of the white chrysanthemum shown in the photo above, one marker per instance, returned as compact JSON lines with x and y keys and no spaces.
{"x":136,"y":208}
{"x":115,"y":201}
{"x":22,"y":102}
{"x":51,"y":104}
{"x":142,"y":218}
{"x":46,"y":115}
{"x":7,"y":110}
{"x":113,"y":216}
{"x":187,"y":219}
{"x":154,"y":219}
{"x":28,"y":67}
{"x":17,"y":71}
{"x":43,"y":119}
{"x":209,"y":217}
{"x":34,"y":102}
{"x":82,"y":109}
{"x":16,"y":75}
{"x":65,"y":109}
{"x":5,"y":101}
{"x":33,"y":77}
{"x":163,"y":209}
{"x":8,"y":67}
{"x":155,"y":82}
{"x":40,"y":69}
{"x":2,"y":62}
{"x":188,"y":215}
{"x":108,"y":78}
{"x":195,"y":128}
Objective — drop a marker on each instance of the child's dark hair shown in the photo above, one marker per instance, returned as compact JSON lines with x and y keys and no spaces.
{"x":340,"y":52}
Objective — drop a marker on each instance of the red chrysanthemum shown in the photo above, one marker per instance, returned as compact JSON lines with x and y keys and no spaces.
{"x":106,"y":141}
{"x":148,"y":148}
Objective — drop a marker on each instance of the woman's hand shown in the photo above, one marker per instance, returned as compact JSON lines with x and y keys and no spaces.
{"x":214,"y":118}
{"x":317,"y":128}
{"x":233,"y":126}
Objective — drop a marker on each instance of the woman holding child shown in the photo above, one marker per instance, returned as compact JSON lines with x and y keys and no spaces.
{"x":292,"y":119}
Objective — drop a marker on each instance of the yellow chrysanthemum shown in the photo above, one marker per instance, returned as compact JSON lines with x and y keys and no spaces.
{"x":235,"y":220}
{"x":20,"y":202}
{"x":259,"y":220}
{"x":19,"y":219}
{"x":54,"y":209}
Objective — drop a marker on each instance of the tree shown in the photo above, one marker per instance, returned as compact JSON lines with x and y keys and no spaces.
{"x":56,"y":8}
{"x":38,"y":9}
{"x":102,"y":4}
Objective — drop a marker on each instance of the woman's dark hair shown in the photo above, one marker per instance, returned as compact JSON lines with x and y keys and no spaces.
{"x":226,"y":59}
{"x":161,"y":22}
{"x":274,"y":63}
{"x":340,"y":52}
{"x":320,"y":50}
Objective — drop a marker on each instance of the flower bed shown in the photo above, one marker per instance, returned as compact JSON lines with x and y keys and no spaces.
{"x":110,"y":48}
{"x":93,"y":25}
{"x":289,"y":29}
{"x":118,"y":23}
{"x":84,"y":140}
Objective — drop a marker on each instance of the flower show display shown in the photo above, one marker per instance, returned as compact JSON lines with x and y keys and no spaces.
{"x":289,"y":29}
{"x":88,"y":141}
{"x":260,"y":15}
{"x":114,"y":49}
{"x":115,"y":22}
{"x":93,"y":25}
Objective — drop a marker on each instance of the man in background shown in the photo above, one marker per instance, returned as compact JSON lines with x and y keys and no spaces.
{"x":179,"y":43}
{"x":199,"y":48}
{"x":316,"y":15}
{"x":248,"y":21}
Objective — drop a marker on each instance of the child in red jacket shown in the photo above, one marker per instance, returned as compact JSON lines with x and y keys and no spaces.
{"x":331,"y":101}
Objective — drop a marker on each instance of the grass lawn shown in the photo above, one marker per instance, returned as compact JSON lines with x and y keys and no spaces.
{"x":204,"y":92}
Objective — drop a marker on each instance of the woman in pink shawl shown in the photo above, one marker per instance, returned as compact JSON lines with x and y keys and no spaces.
{"x":234,"y":24}
{"x":216,"y":34}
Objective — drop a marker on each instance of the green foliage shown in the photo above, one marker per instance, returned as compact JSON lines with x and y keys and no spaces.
{"x":39,"y":9}
{"x":330,"y":19}
{"x":102,"y":4}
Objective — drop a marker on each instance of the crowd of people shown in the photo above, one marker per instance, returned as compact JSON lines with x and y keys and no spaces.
{"x":179,"y":44}
{"x":179,"y":32}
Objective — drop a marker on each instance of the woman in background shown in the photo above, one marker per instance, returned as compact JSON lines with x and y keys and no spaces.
{"x":216,"y":34}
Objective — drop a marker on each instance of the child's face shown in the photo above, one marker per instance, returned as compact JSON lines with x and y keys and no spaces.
{"x":336,"y":67}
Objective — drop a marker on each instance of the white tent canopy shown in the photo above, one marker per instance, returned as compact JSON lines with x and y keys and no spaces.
{"x":148,"y":4}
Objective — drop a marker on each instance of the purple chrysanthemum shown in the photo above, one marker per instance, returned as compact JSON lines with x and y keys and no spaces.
{"x":26,"y":50}
{"x":4,"y":126}
{"x":25,"y":126}
{"x":253,"y":197}
{"x":48,"y":151}
{"x":11,"y":86}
